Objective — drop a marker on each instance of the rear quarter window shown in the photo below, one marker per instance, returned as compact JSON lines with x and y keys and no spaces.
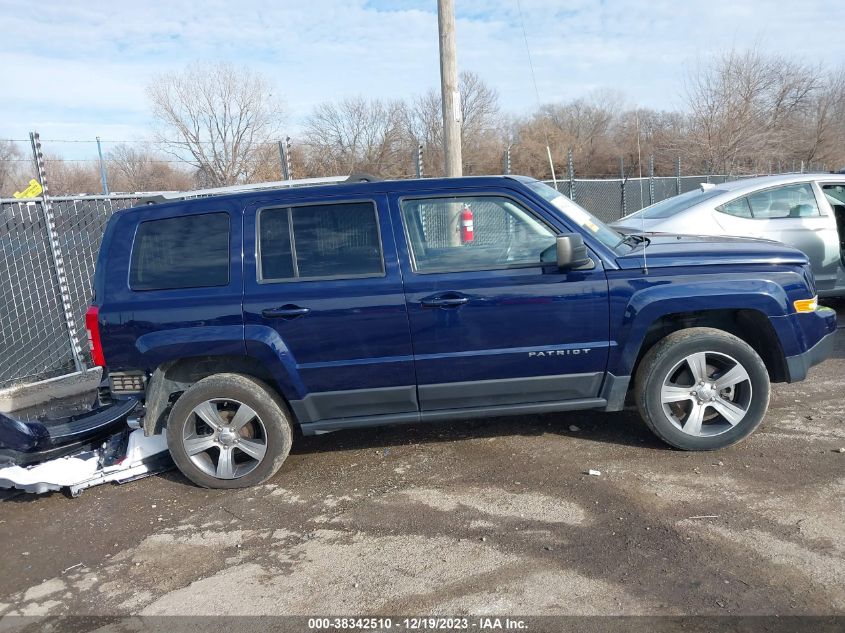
{"x":738,"y":208}
{"x":189,"y":251}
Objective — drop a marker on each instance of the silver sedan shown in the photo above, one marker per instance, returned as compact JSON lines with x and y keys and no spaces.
{"x":806,"y":211}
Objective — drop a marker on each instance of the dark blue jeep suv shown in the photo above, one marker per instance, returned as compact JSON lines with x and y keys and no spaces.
{"x":235,"y":317}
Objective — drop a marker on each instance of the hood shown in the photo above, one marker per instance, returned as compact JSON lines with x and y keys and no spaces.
{"x":665,"y":249}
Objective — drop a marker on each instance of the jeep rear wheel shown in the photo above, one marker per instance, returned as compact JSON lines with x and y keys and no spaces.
{"x":229,"y":431}
{"x":702,"y":389}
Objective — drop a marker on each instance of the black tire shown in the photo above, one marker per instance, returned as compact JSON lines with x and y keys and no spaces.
{"x":270,"y":428}
{"x":667,"y":358}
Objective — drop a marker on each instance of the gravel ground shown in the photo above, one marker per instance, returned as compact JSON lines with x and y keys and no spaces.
{"x":490,"y":517}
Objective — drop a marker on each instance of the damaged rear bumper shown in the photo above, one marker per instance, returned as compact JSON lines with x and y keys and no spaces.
{"x":77,"y":452}
{"x":124,"y":456}
{"x":29,"y":442}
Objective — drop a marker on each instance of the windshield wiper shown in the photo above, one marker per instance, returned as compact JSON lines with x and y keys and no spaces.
{"x":632,"y":239}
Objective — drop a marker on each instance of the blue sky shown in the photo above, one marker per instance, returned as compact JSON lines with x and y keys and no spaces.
{"x":76,"y":69}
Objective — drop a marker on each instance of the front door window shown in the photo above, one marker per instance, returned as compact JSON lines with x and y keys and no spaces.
{"x":465,"y":233}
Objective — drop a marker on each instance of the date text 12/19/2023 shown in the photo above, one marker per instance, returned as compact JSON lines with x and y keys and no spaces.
{"x":418,"y":623}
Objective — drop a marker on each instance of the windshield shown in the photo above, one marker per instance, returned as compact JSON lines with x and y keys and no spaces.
{"x":676,"y":204}
{"x":586,"y":220}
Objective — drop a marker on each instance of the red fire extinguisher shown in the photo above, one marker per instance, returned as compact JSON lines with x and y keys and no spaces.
{"x":467,"y":231}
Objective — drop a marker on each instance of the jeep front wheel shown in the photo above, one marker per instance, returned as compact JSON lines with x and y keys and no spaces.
{"x":702,"y":389}
{"x":229,"y":431}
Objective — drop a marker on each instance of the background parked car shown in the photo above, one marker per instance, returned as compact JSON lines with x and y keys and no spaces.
{"x":806,"y":211}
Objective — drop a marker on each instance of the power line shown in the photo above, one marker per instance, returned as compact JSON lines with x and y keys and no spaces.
{"x":537,"y":92}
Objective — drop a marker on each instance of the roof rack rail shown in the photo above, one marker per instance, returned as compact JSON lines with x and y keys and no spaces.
{"x":261,"y":186}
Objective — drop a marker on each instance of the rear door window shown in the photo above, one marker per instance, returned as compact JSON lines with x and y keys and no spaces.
{"x":791,"y":201}
{"x":190,"y":251}
{"x":319,"y":241}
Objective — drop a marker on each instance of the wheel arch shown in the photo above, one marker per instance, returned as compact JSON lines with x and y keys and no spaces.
{"x":751,"y":325}
{"x":170,"y":379}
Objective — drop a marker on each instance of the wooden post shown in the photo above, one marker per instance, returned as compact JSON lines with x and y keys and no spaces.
{"x":450,"y":96}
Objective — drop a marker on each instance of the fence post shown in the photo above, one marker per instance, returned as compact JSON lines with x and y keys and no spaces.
{"x":506,"y":164}
{"x":651,"y":179}
{"x":419,"y":161}
{"x":102,"y":169}
{"x":56,"y":253}
{"x":678,"y":174}
{"x":283,"y":161}
{"x":622,"y":185}
{"x":571,"y":168}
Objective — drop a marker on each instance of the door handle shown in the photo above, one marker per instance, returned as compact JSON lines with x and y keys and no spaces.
{"x":451,"y":301}
{"x":285,"y":312}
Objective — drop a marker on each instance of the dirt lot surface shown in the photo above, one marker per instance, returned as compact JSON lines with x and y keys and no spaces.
{"x":485,"y":517}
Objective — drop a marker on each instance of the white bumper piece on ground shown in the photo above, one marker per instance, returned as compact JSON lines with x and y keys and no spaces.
{"x":144,"y":456}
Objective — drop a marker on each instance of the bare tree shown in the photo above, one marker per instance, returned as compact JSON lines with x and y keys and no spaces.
{"x":72,"y":177}
{"x":642,"y":133}
{"x":482,"y":129}
{"x":266,"y":164}
{"x":587,"y":126}
{"x":744,"y":107}
{"x":215,"y":117}
{"x":355,"y":135}
{"x":139,"y":169}
{"x":11,"y":169}
{"x":821,"y":129}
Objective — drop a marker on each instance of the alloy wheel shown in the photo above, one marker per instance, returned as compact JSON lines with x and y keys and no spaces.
{"x":706,"y":394}
{"x":225,"y":438}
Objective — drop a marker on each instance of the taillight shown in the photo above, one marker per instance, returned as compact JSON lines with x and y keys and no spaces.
{"x":92,"y":324}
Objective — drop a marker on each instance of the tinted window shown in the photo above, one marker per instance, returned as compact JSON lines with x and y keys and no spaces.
{"x":276,"y":253}
{"x":503,"y":234}
{"x":791,"y":201}
{"x":835,"y":194}
{"x":186,"y":252}
{"x":330,"y":240}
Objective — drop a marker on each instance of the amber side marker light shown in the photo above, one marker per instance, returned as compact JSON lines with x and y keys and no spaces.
{"x":806,"y":305}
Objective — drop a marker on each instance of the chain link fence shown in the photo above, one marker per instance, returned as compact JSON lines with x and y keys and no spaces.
{"x":611,"y":198}
{"x":35,"y":341}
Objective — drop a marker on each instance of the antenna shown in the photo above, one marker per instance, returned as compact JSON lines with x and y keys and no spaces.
{"x":537,"y":92}
{"x":642,"y":215}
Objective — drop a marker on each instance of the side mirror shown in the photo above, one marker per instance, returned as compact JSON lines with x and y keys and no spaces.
{"x":571,"y":252}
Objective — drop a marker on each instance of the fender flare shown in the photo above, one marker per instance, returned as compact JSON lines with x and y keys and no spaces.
{"x":648,"y":305}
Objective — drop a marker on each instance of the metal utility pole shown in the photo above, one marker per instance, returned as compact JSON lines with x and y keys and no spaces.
{"x":449,"y":88}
